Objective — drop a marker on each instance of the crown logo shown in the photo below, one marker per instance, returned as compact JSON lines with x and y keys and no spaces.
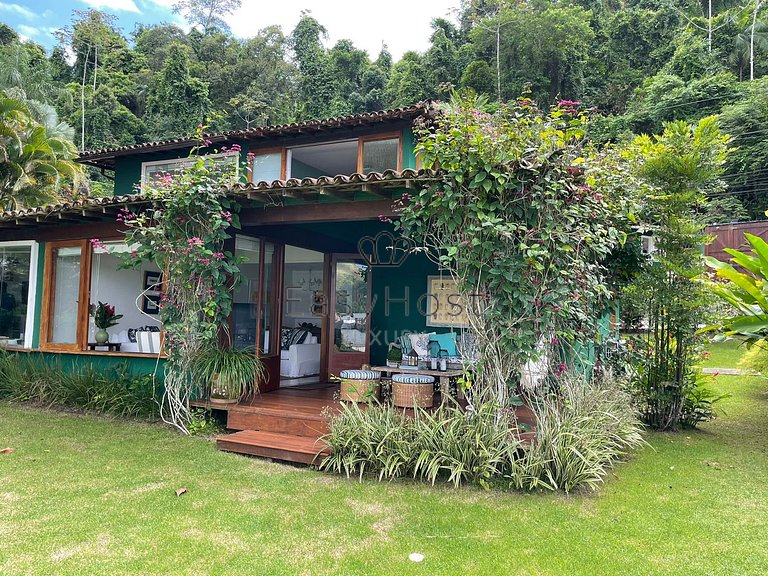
{"x":384,"y":249}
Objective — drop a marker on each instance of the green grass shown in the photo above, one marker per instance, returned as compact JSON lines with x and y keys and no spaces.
{"x":725,"y":354}
{"x":92,"y":495}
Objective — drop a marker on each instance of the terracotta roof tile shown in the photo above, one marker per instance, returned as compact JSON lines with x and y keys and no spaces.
{"x":387,"y":179}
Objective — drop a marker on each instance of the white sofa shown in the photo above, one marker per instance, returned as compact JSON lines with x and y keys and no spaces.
{"x":301,"y":359}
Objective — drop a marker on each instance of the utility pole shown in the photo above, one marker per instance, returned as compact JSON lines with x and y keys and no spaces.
{"x":709,"y":28}
{"x":758,"y":5}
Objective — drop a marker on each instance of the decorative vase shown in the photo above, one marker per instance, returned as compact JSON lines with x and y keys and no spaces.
{"x":101,"y":336}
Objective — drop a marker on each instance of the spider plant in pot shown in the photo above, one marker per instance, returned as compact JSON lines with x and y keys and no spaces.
{"x":228,"y":374}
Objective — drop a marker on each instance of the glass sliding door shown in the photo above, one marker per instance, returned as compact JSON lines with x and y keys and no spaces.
{"x":256,"y":307}
{"x":349,"y":314}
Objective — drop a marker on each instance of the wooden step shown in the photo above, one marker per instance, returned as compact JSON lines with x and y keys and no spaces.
{"x":287,"y":447}
{"x":283,"y":422}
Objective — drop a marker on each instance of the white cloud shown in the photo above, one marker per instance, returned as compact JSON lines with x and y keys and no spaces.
{"x":29,"y":31}
{"x":164,"y":3}
{"x":18,"y":10}
{"x":114,"y":5}
{"x":400,"y":24}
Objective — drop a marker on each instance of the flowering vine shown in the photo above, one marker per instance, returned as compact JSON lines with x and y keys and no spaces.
{"x":522,"y":223}
{"x":184,"y":232}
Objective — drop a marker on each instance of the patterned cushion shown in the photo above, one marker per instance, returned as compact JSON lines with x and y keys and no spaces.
{"x":285,"y":338}
{"x":420,"y":342}
{"x":413,"y":379}
{"x":289,"y":336}
{"x":359,"y":375}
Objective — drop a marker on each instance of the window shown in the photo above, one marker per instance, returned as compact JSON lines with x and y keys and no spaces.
{"x":77,"y":276}
{"x":150,"y":170}
{"x":253,"y":315}
{"x":133,"y":292}
{"x":18,"y":280}
{"x":267,"y":166}
{"x":325,"y":159}
{"x":65,"y":310}
{"x":380,"y":155}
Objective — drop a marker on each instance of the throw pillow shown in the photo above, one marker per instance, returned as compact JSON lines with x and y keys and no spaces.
{"x":445,"y":342}
{"x":420,"y":342}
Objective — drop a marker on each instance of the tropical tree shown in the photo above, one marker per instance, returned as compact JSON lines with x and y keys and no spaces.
{"x":677,"y":168}
{"x":209,"y":14}
{"x":34,"y":164}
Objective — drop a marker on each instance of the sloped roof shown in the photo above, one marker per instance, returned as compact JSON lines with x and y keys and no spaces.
{"x":105,"y":157}
{"x":341,"y":187}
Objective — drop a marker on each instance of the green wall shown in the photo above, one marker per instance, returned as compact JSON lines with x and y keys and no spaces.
{"x":71,"y":362}
{"x":399,"y":303}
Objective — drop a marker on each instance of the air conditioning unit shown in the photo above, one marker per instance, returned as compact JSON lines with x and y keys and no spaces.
{"x":647,"y":245}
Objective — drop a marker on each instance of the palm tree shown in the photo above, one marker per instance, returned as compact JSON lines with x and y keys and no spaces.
{"x":35,"y":161}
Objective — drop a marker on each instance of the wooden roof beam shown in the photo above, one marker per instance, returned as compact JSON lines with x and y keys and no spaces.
{"x":338,"y":194}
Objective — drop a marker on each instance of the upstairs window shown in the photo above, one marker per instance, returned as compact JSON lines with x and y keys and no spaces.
{"x":153,"y":170}
{"x":267,"y":166}
{"x":379,"y":155}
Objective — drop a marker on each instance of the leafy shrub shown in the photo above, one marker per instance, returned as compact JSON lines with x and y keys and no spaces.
{"x":581,"y":431}
{"x":30,"y":378}
{"x":203,"y":423}
{"x":664,"y":403}
{"x":699,"y":402}
{"x":756,"y":358}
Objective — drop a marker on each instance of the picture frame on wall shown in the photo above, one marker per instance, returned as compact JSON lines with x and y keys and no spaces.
{"x":444,"y":306}
{"x":153,"y":282}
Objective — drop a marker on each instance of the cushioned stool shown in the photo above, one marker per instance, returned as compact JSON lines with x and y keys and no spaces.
{"x":360,"y":385}
{"x":413,"y":390}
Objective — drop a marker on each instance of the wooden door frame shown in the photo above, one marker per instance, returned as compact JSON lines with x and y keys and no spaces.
{"x":49,"y":291}
{"x":334,"y":258}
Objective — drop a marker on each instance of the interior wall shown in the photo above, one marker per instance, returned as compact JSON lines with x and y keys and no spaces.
{"x":119,"y":288}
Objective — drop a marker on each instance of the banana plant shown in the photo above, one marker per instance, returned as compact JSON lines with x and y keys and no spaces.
{"x":745,"y":289}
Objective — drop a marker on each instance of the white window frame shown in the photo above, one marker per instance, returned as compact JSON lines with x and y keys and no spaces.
{"x":187,"y":161}
{"x":29,"y":324}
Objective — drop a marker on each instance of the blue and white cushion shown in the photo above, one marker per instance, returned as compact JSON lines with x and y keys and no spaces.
{"x":359,"y":374}
{"x":413,"y":379}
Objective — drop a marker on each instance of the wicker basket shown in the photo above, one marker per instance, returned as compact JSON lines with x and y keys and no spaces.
{"x":360,"y":390}
{"x":413,"y":395}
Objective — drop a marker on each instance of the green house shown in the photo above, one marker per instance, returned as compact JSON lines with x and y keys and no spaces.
{"x":319,"y":256}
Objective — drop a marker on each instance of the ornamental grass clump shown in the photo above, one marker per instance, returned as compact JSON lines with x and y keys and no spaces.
{"x":30,"y":377}
{"x":447,"y":445}
{"x":582,"y":430}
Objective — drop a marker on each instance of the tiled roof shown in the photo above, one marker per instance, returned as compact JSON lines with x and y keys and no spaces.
{"x":341,"y":181}
{"x":105,"y":157}
{"x":305,"y":189}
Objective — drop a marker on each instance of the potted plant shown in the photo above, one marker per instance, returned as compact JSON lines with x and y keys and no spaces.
{"x":394,"y":357}
{"x":228,"y":374}
{"x":103,"y":317}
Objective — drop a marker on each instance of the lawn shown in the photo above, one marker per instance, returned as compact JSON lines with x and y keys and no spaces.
{"x":92,"y":495}
{"x":725,"y":354}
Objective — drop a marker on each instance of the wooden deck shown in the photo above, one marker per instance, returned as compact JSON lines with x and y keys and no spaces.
{"x":287,"y":424}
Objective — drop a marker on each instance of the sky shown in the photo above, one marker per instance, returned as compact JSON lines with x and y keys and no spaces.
{"x":400,"y":24}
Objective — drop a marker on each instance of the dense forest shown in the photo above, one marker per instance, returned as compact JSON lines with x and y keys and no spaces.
{"x":636,"y":64}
